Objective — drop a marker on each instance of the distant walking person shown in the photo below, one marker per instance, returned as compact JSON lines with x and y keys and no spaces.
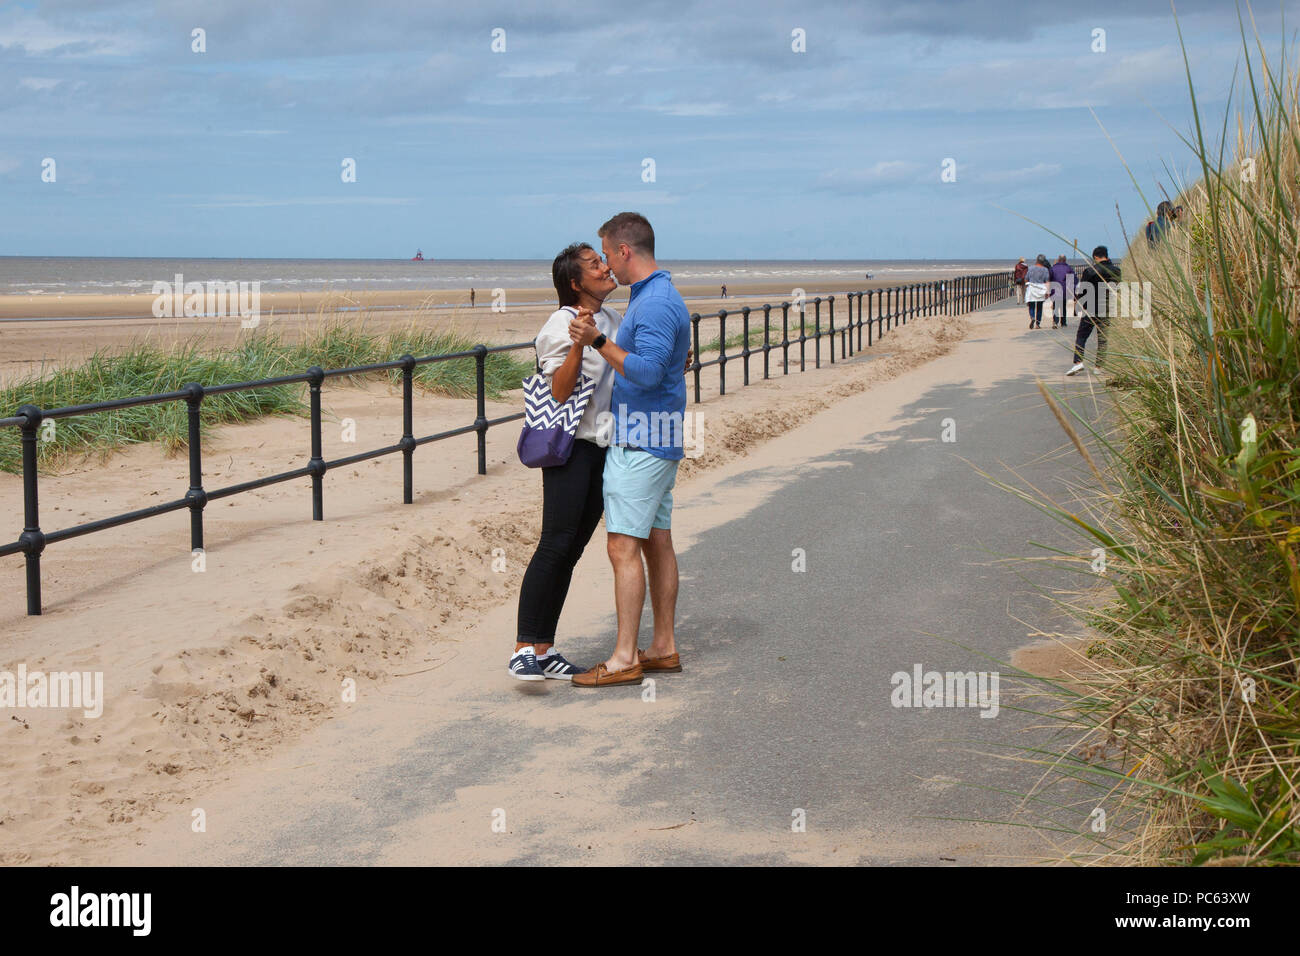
{"x":724,"y":291}
{"x":1062,"y":289}
{"x":1036,"y":280}
{"x":1097,"y":300}
{"x":1021,"y":269}
{"x":471,"y":298}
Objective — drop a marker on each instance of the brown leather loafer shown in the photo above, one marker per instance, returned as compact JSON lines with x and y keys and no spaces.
{"x":673,"y":662}
{"x":601,"y":676}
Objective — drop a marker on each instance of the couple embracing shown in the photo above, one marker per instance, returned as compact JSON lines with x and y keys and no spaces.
{"x":637,"y":363}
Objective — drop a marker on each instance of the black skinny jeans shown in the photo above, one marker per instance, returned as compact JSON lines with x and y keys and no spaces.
{"x":1086,"y":324}
{"x":572,"y":503}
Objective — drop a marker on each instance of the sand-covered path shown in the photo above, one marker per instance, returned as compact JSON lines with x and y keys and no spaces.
{"x":784,"y":704}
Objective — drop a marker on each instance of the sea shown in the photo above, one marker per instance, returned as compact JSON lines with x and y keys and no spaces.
{"x":39,"y":275}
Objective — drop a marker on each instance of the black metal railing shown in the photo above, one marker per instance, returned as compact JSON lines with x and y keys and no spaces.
{"x":877,"y":311}
{"x":892,"y":307}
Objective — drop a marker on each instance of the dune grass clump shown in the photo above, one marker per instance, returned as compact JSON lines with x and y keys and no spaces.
{"x":145,"y":369}
{"x":1187,"y":725}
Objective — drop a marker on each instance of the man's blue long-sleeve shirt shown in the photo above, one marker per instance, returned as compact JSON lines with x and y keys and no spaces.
{"x":650,"y":392}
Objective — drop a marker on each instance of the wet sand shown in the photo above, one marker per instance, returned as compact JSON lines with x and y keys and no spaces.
{"x":41,"y":333}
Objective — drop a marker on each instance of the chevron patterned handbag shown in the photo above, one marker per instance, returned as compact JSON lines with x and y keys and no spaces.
{"x":549,"y":426}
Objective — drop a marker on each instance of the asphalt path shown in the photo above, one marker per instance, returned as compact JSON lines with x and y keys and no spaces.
{"x":781,"y":741}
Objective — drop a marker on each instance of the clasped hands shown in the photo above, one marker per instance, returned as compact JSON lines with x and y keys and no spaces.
{"x":583,"y":331}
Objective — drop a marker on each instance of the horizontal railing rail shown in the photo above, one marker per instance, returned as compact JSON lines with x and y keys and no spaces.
{"x":877,"y":311}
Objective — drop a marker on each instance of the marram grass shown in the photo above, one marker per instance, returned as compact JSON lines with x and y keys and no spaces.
{"x":145,"y":369}
{"x":1187,"y":727}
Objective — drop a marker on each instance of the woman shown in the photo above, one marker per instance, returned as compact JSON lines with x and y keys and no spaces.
{"x":571,"y":493}
{"x":1019,"y":279}
{"x":1036,"y":280}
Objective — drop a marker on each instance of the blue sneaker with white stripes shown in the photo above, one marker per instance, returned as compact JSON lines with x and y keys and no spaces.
{"x":554,"y":666}
{"x":523,"y":665}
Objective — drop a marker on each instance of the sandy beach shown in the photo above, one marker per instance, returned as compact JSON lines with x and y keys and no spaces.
{"x":44,"y":332}
{"x":208,"y":676}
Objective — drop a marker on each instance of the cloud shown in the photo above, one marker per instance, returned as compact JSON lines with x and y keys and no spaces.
{"x":258,"y":202}
{"x":1025,"y":173}
{"x":887,"y":172}
{"x":35,"y":36}
{"x":631,"y":199}
{"x":692,"y":109}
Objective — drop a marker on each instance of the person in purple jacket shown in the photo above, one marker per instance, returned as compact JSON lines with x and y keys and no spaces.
{"x":1062,"y":289}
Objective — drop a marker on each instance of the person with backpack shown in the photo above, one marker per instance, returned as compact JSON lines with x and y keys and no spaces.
{"x":1019,"y":279}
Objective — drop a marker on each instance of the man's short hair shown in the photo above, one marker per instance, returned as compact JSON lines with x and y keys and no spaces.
{"x":631,"y":228}
{"x":1100,"y":253}
{"x":566,"y":270}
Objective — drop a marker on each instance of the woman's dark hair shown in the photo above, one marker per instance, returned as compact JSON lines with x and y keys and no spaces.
{"x":566,"y":270}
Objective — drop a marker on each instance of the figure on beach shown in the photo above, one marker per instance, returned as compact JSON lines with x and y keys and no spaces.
{"x":1096,"y":297}
{"x":471,"y":297}
{"x":724,"y":291}
{"x":649,"y":359}
{"x":1036,"y":280}
{"x":572,"y":493}
{"x":1019,"y":279}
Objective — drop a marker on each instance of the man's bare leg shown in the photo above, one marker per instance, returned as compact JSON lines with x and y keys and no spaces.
{"x":661,"y":561}
{"x":629,"y":597}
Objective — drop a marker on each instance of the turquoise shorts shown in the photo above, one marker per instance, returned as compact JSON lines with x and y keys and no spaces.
{"x":638,"y":490}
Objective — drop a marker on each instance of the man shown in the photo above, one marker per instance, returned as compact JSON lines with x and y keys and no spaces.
{"x":1021,"y":270}
{"x":649,"y":405}
{"x":1095,"y":298}
{"x":1062,"y":283}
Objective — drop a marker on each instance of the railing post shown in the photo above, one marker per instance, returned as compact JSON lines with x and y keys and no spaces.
{"x":317,"y":463}
{"x":860,"y":322}
{"x":785,"y":338}
{"x":767,"y":336}
{"x":803,"y":336}
{"x":32,"y":538}
{"x":868,"y":317}
{"x":830,"y":336}
{"x":408,"y":429}
{"x":695,"y":329}
{"x":480,"y":423}
{"x":196,"y":496}
{"x":744,"y":353}
{"x":817,"y":332}
{"x":722,"y":351}
{"x":847,"y":329}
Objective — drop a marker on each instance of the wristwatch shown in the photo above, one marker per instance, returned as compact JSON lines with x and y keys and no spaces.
{"x":598,"y":342}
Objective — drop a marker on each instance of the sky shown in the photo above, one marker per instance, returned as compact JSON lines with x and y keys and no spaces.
{"x":501,"y":130}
